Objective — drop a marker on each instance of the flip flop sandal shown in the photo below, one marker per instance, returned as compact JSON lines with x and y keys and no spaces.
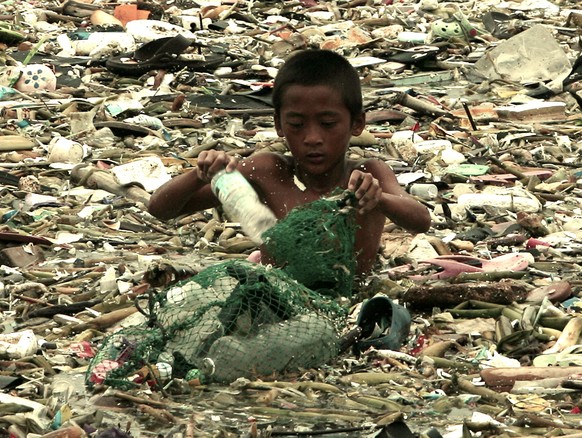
{"x":414,"y":55}
{"x":121,"y":129}
{"x":164,"y":53}
{"x":453,"y":265}
{"x":509,"y":178}
{"x":385,"y":325}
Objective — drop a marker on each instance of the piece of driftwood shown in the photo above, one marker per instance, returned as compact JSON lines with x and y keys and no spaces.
{"x":449,"y":295}
{"x":569,"y":336}
{"x":503,"y":379}
{"x":485,"y":393}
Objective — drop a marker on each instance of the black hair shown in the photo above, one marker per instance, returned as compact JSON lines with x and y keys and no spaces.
{"x":320,"y":67}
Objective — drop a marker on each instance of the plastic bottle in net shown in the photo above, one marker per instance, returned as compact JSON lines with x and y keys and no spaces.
{"x":242,"y":204}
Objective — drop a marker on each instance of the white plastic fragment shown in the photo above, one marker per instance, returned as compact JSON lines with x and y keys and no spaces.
{"x":405,"y":138}
{"x":108,"y":282}
{"x":18,"y":345}
{"x":434,"y":146}
{"x":150,"y":172}
{"x":451,"y":156}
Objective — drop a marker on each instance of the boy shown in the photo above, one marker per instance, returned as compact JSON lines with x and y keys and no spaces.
{"x":318,"y":107}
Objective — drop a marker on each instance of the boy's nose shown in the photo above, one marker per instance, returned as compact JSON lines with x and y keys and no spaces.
{"x":312,"y":134}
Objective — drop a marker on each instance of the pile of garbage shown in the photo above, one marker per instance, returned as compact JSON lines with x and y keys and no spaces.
{"x":475,"y":326}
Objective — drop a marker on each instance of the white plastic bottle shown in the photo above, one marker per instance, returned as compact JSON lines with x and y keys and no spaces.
{"x":242,"y":204}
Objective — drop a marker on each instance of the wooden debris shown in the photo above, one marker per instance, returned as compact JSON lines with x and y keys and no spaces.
{"x":428,"y":296}
{"x":502,"y":379}
{"x":533,"y":112}
{"x":569,"y":336}
{"x":90,"y":176}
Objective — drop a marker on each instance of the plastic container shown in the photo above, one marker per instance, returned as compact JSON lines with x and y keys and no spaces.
{"x":424,"y":191}
{"x":451,"y":156}
{"x":35,"y":78}
{"x":242,"y":204}
{"x":145,"y":31}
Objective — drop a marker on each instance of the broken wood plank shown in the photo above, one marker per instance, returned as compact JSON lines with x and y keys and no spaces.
{"x":533,"y":111}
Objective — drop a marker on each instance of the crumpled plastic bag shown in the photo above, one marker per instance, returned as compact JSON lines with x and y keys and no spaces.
{"x":531,"y":56}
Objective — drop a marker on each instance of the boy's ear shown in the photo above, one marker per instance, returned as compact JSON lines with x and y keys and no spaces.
{"x":358,"y":124}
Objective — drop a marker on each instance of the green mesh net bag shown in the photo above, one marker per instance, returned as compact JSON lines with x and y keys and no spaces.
{"x":314,"y":244}
{"x":241,"y":319}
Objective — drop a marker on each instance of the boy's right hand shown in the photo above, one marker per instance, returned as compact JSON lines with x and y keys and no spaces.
{"x":211,"y":162}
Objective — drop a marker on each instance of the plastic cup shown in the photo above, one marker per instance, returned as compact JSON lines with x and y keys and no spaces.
{"x":64,"y":150}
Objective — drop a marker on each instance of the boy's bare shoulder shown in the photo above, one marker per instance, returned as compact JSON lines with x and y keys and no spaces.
{"x":369,"y":165}
{"x":270,"y":163}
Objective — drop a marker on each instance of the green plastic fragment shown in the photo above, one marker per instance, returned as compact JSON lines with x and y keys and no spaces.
{"x":468,"y":169}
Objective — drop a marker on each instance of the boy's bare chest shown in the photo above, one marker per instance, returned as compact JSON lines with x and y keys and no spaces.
{"x":282,"y":197}
{"x":284,"y":190}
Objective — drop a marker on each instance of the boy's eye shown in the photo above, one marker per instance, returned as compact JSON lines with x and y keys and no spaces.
{"x":295,"y":124}
{"x":328,"y":123}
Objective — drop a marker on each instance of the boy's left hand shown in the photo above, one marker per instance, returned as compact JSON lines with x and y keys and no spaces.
{"x":366,"y":188}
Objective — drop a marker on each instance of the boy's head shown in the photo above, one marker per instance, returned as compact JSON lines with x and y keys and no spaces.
{"x":320,"y":67}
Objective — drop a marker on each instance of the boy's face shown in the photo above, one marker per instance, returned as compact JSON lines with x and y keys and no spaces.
{"x":317,"y":126}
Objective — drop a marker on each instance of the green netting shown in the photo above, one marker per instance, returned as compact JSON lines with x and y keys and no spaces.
{"x":241,"y":319}
{"x":315,"y":245}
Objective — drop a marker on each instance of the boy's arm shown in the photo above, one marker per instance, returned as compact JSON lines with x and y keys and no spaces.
{"x":376,"y":186}
{"x":405,"y":212}
{"x":183,"y":194}
{"x":190,"y":192}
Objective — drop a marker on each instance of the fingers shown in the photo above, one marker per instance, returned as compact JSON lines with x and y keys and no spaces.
{"x":366,"y":188}
{"x":211,"y":162}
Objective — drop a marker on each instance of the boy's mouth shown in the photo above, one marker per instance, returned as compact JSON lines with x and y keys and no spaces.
{"x":315,"y":158}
